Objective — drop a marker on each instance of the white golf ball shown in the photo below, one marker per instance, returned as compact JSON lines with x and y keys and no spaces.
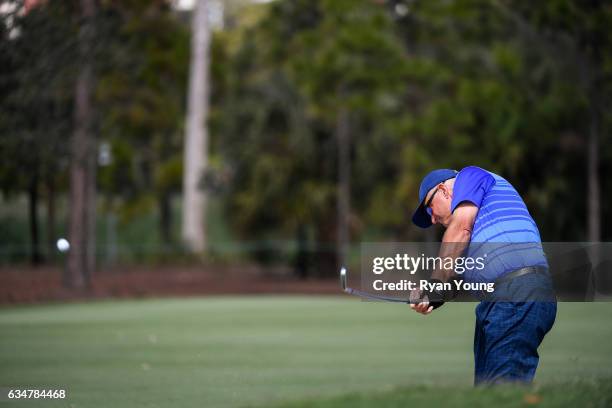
{"x":63,"y":245}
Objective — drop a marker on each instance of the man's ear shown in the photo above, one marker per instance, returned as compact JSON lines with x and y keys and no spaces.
{"x":446,"y":190}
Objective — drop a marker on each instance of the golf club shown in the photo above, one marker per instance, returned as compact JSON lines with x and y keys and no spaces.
{"x":355,"y":292}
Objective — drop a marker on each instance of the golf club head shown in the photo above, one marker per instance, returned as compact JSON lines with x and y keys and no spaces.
{"x":355,"y":292}
{"x":343,"y":278}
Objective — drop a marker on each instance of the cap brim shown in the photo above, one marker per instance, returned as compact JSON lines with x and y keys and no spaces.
{"x":421,"y":218}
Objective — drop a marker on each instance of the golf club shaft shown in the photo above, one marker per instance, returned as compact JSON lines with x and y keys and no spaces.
{"x":366,"y":295}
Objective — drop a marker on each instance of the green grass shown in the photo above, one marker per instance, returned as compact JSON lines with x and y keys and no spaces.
{"x":261,"y":351}
{"x":579,"y":394}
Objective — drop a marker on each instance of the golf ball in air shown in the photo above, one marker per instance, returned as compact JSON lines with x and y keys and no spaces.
{"x":63,"y":245}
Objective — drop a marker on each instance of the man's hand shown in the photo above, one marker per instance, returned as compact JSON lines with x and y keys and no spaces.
{"x":418,"y":304}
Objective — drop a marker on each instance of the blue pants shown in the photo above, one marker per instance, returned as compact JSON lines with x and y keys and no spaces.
{"x":508,"y":335}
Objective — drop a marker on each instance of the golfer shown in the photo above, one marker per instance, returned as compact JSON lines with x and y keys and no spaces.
{"x":477,"y":207}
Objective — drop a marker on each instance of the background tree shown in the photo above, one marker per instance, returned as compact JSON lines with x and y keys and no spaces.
{"x":323,"y":62}
{"x":508,"y":100}
{"x":81,"y":228}
{"x":142,"y":102}
{"x":196,"y":136}
{"x":36,"y":112}
{"x":576,"y":35}
{"x":324,"y":114}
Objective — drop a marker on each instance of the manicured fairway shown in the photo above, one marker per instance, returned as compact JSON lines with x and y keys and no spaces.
{"x":257,"y":351}
{"x":582,"y":394}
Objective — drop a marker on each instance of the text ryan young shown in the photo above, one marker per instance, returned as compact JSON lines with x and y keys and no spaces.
{"x":425,"y":285}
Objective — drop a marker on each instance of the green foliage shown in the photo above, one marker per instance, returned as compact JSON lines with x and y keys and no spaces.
{"x":489,"y":90}
{"x":293,"y":74}
{"x":504,"y":84}
{"x":426,"y":84}
{"x":141,"y":101}
{"x":140,"y":64}
{"x":36,"y":97}
{"x":141,"y":96}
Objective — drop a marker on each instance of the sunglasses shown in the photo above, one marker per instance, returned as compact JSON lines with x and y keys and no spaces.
{"x":428,"y":203}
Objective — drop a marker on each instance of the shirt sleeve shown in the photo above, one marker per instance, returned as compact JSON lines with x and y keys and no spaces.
{"x":471,"y":185}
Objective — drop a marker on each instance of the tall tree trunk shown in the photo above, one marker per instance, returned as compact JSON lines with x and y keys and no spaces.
{"x":196,"y":137}
{"x":594,"y":212}
{"x":78,"y":270}
{"x":325,"y":261}
{"x":344,"y":189}
{"x":90,"y":210}
{"x":302,"y":256}
{"x":51,"y":234}
{"x":111,"y":239}
{"x":165,"y":219}
{"x":35,"y":255}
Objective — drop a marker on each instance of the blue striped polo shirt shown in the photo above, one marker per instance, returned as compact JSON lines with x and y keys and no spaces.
{"x":504,"y":233}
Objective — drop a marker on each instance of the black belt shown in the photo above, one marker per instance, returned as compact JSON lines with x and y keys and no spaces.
{"x":520,"y":272}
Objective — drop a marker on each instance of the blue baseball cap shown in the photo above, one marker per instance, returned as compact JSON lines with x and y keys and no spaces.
{"x":421,"y":217}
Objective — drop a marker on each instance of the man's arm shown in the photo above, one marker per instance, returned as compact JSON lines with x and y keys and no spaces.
{"x":456,"y":238}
